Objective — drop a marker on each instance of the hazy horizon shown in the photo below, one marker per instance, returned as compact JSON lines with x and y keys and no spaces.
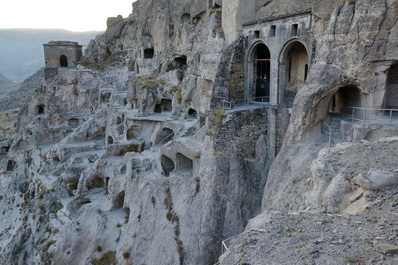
{"x":74,"y":15}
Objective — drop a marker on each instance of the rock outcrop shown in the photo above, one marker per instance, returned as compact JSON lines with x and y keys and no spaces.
{"x":188,"y":118}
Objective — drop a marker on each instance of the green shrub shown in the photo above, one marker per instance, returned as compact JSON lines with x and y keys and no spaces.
{"x":108,"y":258}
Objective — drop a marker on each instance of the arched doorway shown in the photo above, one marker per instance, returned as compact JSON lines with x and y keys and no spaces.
{"x":345,"y":97}
{"x":63,"y":61}
{"x":262,"y":69}
{"x":392,"y":88}
{"x":259,"y":69}
{"x":294,"y":70}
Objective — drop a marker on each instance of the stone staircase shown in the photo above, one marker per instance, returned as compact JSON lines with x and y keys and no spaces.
{"x":136,"y":163}
{"x":63,"y":191}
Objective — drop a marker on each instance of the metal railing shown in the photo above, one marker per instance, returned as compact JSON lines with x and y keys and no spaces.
{"x":371,"y":115}
{"x":229,"y":105}
{"x":170,"y":136}
{"x":225,"y":242}
{"x":179,"y":130}
{"x":200,"y":126}
{"x":330,"y":133}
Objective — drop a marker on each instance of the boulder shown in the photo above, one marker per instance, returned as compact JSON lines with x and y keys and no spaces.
{"x":377,"y":179}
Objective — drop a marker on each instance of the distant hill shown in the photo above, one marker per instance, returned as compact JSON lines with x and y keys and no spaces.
{"x":4,"y":80}
{"x":21,"y":50}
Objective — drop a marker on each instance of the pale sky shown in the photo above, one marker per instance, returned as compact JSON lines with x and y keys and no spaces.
{"x":74,"y":15}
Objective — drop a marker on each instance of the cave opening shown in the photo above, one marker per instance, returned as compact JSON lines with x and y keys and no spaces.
{"x":391,"y":101}
{"x":63,"y":61}
{"x":167,"y":165}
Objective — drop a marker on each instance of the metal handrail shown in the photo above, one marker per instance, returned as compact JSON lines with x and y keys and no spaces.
{"x":330,"y":133}
{"x":200,"y":126}
{"x":229,"y":105}
{"x":225,"y":102}
{"x":179,"y":129}
{"x":359,"y":114}
{"x":224,"y":243}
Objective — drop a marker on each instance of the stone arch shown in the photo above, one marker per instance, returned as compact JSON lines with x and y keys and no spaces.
{"x":293,"y":70}
{"x":392,"y":87}
{"x":167,"y":165}
{"x":164,"y":136}
{"x":344,"y":97}
{"x":110,"y":140}
{"x":63,"y":61}
{"x":259,"y":72}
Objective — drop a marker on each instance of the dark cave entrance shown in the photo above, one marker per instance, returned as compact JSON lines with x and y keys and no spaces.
{"x":391,"y":101}
{"x":345,"y":97}
{"x":63,"y":61}
{"x":167,"y":165}
{"x":164,"y":136}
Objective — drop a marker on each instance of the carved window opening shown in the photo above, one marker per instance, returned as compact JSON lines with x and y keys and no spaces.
{"x":257,"y":34}
{"x":272,"y":32}
{"x":149,"y":53}
{"x":73,"y":122}
{"x":11,"y":165}
{"x":40,"y":109}
{"x":294,"y":30}
{"x":158,"y":108}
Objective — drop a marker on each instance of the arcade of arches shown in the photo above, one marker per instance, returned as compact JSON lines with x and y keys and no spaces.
{"x":294,"y":66}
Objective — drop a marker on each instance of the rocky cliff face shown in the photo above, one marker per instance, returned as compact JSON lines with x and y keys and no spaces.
{"x":121,"y":155}
{"x":314,"y":182}
{"x":152,"y":152}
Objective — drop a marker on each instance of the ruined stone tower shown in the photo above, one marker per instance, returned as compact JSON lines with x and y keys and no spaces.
{"x":61,"y":54}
